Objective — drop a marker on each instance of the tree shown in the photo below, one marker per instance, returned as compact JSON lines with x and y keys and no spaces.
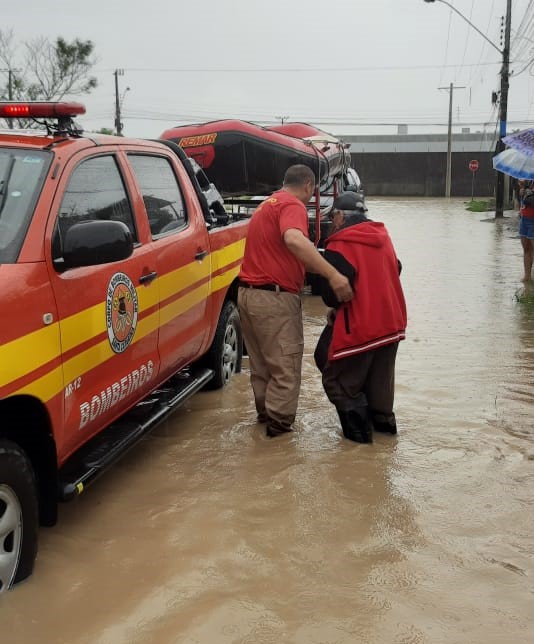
{"x":45,"y":71}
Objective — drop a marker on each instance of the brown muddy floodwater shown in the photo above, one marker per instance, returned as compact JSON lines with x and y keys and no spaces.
{"x":210,"y":533}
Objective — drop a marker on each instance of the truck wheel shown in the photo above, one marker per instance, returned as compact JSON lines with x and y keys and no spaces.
{"x":18,"y":515}
{"x":226,"y":352}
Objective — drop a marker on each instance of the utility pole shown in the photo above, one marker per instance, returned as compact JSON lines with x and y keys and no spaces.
{"x":118,"y":122}
{"x":282,"y":118}
{"x":450,"y":89}
{"x":503,"y":108}
{"x":505,"y":82}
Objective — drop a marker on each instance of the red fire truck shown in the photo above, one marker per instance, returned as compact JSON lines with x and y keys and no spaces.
{"x":118,"y":295}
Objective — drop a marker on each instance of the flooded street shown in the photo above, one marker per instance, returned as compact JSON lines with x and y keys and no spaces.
{"x":210,"y":533}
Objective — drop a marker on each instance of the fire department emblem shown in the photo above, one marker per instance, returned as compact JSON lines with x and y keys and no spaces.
{"x":121,"y":311}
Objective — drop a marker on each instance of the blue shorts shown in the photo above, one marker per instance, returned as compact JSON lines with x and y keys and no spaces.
{"x":526,"y":227}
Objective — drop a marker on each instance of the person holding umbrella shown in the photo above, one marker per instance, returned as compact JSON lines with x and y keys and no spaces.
{"x":526,"y":228}
{"x":518,"y":162}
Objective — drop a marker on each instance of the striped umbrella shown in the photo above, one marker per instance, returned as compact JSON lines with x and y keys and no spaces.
{"x":514,"y":162}
{"x":522,"y":141}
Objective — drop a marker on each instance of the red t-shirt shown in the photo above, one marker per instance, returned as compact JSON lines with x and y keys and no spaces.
{"x":527,"y":212}
{"x":267,"y":259}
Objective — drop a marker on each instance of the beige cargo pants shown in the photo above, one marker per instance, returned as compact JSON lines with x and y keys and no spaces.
{"x":273,"y":333}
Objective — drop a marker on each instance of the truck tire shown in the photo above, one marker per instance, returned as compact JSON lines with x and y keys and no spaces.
{"x":226,"y":351}
{"x":19,"y":522}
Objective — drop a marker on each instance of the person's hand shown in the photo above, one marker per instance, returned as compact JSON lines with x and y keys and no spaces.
{"x":341,"y":287}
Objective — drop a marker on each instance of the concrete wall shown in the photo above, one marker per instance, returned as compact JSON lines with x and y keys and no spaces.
{"x":423,"y":173}
{"x":416,"y":164}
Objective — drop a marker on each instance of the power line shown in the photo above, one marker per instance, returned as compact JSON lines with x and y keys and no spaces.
{"x":467,"y":33}
{"x":526,"y":40}
{"x":300,"y":116}
{"x":444,"y":66}
{"x":483,"y":48}
{"x":392,"y":123}
{"x":255,"y":70}
{"x":524,"y":26}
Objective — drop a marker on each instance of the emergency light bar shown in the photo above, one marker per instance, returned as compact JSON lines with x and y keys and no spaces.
{"x":40,"y":110}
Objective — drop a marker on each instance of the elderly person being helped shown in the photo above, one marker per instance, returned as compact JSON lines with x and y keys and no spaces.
{"x":357,"y":349}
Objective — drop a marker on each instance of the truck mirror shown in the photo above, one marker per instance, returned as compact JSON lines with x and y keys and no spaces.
{"x":89,"y":243}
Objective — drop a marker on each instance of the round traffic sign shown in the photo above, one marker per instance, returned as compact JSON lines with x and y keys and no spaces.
{"x":473,"y":165}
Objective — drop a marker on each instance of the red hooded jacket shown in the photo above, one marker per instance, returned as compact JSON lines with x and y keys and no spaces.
{"x":376,"y":315}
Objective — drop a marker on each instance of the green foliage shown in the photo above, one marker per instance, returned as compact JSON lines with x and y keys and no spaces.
{"x":525,"y":295}
{"x":75,"y":56}
{"x":478,"y":206}
{"x":45,"y":70}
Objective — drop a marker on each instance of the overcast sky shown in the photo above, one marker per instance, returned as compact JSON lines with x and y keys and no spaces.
{"x":348,"y":66}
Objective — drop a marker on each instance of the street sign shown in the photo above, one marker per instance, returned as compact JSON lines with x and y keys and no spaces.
{"x":473,"y":165}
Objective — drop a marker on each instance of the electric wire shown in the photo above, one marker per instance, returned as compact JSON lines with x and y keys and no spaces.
{"x":483,"y":49}
{"x":517,"y":36}
{"x":180,"y":120}
{"x":525,"y":33}
{"x":279,"y":70}
{"x":446,"y":49}
{"x":523,"y":22}
{"x":468,"y":31}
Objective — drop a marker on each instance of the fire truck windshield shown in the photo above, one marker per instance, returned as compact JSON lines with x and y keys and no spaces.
{"x":22,"y":173}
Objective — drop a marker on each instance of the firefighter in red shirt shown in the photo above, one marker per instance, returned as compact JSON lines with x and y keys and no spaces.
{"x":277,"y":255}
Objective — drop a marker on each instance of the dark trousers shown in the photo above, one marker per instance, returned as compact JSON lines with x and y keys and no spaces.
{"x":371,"y":373}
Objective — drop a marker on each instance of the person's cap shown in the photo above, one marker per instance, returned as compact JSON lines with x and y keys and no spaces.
{"x":350,"y":201}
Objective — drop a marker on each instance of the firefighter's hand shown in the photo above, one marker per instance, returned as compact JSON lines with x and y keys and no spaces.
{"x":341,"y":287}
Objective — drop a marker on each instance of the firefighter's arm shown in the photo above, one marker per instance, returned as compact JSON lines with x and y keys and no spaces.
{"x":305,"y":251}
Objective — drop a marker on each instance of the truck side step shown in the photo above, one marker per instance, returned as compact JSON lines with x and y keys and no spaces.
{"x":109,"y":445}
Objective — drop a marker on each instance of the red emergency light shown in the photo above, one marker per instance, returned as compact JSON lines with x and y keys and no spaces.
{"x":40,"y":110}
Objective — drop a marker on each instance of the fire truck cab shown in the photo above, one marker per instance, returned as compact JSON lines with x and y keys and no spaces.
{"x":118,"y":295}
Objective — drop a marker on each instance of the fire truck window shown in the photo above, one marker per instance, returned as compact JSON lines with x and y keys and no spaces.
{"x":161,"y":193}
{"x":22,"y":173}
{"x":96,"y":191}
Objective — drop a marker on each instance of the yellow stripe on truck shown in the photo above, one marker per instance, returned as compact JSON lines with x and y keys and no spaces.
{"x":87,"y":324}
{"x":33,"y":350}
{"x":49,"y":385}
{"x":29,"y":352}
{"x":224,"y":279}
{"x":182,"y":304}
{"x":83,"y":362}
{"x":46,"y":387}
{"x":227,"y":255}
{"x":223,"y":257}
{"x":181,"y":278}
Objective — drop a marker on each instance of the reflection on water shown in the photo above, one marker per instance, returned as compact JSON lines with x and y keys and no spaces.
{"x":211,"y":533}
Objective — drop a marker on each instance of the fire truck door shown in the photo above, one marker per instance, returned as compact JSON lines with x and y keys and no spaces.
{"x":181,"y":243}
{"x":108,"y":317}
